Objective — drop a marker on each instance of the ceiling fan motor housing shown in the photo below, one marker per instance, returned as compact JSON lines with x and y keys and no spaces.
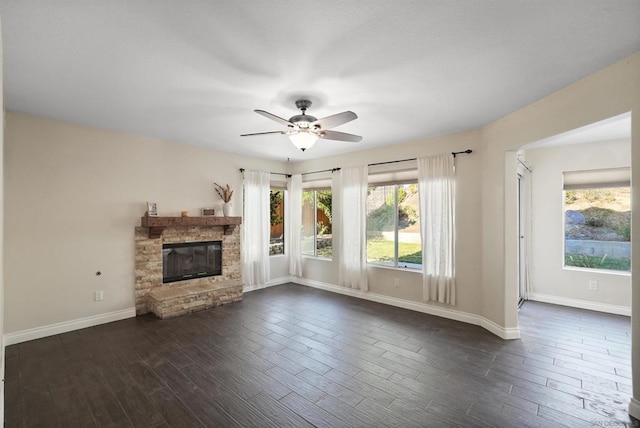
{"x":303,"y":104}
{"x":302,"y":120}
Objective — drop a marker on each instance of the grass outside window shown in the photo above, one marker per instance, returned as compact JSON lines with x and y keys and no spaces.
{"x":383,"y":250}
{"x":393,"y":226}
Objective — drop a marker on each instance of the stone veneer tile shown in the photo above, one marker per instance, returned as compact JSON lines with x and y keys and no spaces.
{"x":168,"y":303}
{"x":148,"y":262}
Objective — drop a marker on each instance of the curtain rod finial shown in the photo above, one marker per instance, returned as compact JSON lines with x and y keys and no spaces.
{"x":468,"y":151}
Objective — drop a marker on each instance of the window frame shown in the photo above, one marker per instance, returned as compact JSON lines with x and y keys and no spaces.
{"x":273,"y":188}
{"x":397,"y":264}
{"x":590,"y":180}
{"x":315,"y":223}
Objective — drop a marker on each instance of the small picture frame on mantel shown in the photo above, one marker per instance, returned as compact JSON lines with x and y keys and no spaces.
{"x":152,"y":209}
{"x":208,"y":212}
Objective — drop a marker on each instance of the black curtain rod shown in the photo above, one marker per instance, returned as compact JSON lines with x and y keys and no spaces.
{"x":276,"y":173}
{"x":304,"y":173}
{"x":395,"y":161}
{"x":322,"y":170}
{"x":464,"y":152}
{"x":468,"y":151}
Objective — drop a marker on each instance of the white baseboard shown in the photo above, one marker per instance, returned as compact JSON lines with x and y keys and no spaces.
{"x":502,"y":332}
{"x":506,"y":333}
{"x":581,"y":304}
{"x":66,"y":326}
{"x":634,"y":408}
{"x":2,"y":371}
{"x":271,"y":283}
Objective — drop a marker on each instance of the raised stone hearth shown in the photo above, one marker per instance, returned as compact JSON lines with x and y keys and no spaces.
{"x":181,"y":297}
{"x":169,"y":302}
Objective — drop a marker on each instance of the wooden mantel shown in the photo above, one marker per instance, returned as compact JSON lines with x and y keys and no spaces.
{"x":157,"y":225}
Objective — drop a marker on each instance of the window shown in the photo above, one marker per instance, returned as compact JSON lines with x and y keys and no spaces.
{"x":597,"y":213}
{"x":276,"y":203}
{"x":393,"y":226}
{"x":316,"y":223}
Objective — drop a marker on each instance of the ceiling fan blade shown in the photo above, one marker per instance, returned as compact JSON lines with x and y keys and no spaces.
{"x":335,"y":120}
{"x":263,"y":133}
{"x":340,"y":136}
{"x":274,"y":117}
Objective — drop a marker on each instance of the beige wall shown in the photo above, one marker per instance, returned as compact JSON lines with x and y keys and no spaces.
{"x":74,"y":195}
{"x":547,"y":275}
{"x":468,"y":258}
{"x":634,"y":90}
{"x":607,"y":93}
{"x":1,"y":231}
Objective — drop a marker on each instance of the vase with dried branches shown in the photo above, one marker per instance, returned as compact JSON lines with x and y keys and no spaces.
{"x":225,"y":194}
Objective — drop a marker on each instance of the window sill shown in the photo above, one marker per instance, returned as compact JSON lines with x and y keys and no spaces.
{"x":326,"y":259}
{"x":275,"y":256}
{"x":404,"y":269}
{"x":599,"y":271}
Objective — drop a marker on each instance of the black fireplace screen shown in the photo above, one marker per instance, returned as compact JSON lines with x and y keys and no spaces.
{"x":191,"y":260}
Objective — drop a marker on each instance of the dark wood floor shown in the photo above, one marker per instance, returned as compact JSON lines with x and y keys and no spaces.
{"x":295,"y":356}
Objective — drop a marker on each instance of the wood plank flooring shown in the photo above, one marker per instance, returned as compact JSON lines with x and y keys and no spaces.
{"x":293,"y":356}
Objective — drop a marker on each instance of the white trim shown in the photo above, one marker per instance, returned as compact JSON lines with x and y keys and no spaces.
{"x":502,"y":332}
{"x":2,"y":371}
{"x":634,"y":408}
{"x":271,"y":283}
{"x":582,"y":304}
{"x":506,"y":333}
{"x":66,"y":326}
{"x":598,"y":271}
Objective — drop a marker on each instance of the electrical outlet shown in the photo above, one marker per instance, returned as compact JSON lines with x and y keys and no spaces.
{"x":396,"y":282}
{"x":593,"y":285}
{"x":98,"y":295}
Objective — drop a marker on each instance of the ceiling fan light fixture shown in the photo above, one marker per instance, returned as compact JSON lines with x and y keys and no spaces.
{"x":304,"y":130}
{"x":303,"y":139}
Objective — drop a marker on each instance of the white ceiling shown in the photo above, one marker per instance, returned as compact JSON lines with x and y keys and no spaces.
{"x":193,"y":71}
{"x":613,"y":128}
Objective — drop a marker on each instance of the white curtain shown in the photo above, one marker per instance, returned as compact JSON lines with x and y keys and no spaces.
{"x":436,"y":180}
{"x":256,"y":231}
{"x":293,"y":225}
{"x":351,"y":186}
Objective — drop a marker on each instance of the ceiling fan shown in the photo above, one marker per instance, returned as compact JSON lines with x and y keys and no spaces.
{"x":304,"y":130}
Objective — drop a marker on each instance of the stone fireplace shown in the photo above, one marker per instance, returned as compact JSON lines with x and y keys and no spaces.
{"x":182,"y":296}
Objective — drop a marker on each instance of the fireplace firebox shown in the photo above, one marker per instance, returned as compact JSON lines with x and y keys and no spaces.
{"x":190,"y":260}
